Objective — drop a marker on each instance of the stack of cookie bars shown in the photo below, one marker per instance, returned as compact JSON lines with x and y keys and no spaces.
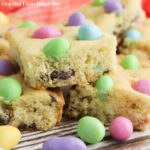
{"x":46,"y":80}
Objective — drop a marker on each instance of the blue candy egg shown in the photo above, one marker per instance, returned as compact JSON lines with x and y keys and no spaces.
{"x":89,"y":31}
{"x":133,"y":34}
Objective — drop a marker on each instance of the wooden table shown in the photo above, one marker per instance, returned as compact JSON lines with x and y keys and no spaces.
{"x":34,"y":140}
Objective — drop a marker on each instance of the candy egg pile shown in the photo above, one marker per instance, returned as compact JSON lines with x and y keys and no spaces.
{"x":91,"y":130}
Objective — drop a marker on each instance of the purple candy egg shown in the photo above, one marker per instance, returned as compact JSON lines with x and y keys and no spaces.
{"x":46,"y":32}
{"x":11,"y":28}
{"x":76,"y":19}
{"x":64,"y":143}
{"x":6,"y":68}
{"x":113,"y":5}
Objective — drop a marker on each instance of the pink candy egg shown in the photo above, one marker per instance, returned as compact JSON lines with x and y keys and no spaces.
{"x":142,"y":86}
{"x":11,"y":28}
{"x":141,"y":24}
{"x":121,"y":128}
{"x":46,"y":32}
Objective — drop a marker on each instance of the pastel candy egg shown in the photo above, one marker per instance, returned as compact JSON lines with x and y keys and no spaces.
{"x":90,"y":129}
{"x":28,"y":24}
{"x":46,"y":32}
{"x":11,"y":28}
{"x":2,"y":148}
{"x":130,"y":62}
{"x":121,"y":128}
{"x":56,"y":47}
{"x":76,"y":19}
{"x":89,"y":31}
{"x":142,"y":86}
{"x":112,"y":6}
{"x":9,"y":137}
{"x":6,"y":67}
{"x":104,"y":83}
{"x":3,"y":19}
{"x":99,"y":2}
{"x":133,"y":34}
{"x":64,"y":143}
{"x":10,"y":89}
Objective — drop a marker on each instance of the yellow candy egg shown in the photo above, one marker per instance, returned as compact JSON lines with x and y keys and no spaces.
{"x":9,"y":137}
{"x":3,"y":19}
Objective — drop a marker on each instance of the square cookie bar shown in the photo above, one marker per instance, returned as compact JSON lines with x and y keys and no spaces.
{"x":137,"y":40}
{"x":120,"y":100}
{"x":33,"y":109}
{"x":114,"y":16}
{"x":83,"y":62}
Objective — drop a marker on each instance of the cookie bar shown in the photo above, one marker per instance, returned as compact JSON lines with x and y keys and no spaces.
{"x":24,"y":107}
{"x":84,"y":61}
{"x":111,"y":20}
{"x":121,"y":100}
{"x":35,"y":109}
{"x":139,"y":47}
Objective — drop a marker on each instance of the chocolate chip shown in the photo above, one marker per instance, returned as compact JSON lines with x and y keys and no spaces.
{"x":121,"y":40}
{"x":22,"y":126}
{"x":106,"y":71}
{"x":44,"y":77}
{"x":118,"y":52}
{"x":53,"y":100}
{"x":115,"y":33}
{"x":119,"y":25}
{"x":135,"y":18}
{"x":65,"y":90}
{"x":62,"y":75}
{"x":117,"y":14}
{"x":5,"y":120}
{"x":33,"y":126}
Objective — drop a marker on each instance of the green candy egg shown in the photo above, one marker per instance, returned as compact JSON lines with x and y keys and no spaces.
{"x":130,"y":62}
{"x":104,"y":83}
{"x":56,"y":47}
{"x":99,"y":2}
{"x":28,"y":24}
{"x":90,"y":130}
{"x":10,"y":89}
